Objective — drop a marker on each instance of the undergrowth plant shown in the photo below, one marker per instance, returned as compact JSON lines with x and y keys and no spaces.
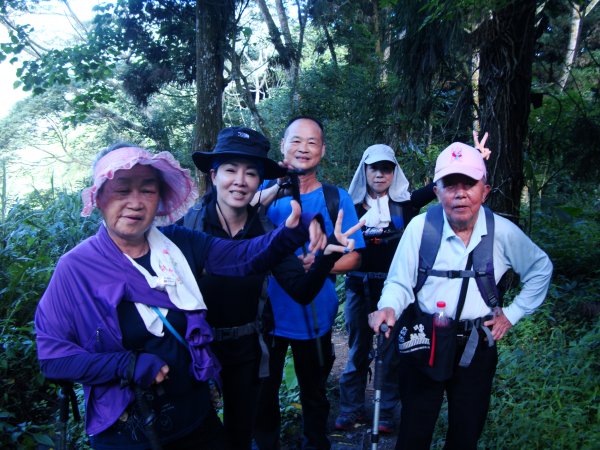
{"x":35,"y":233}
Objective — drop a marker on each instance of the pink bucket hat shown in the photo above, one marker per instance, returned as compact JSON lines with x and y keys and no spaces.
{"x":460,"y":158}
{"x":178,"y":192}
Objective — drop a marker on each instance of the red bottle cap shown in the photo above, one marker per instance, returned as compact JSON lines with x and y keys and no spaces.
{"x":441,"y":304}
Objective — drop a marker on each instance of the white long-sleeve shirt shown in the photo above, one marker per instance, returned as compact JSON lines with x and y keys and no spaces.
{"x":512,"y":249}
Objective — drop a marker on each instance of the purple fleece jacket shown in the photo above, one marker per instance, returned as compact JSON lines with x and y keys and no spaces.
{"x":77,"y":323}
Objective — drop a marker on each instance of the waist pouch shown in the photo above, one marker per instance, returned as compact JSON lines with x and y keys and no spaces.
{"x":434,"y":349}
{"x":433,"y":354}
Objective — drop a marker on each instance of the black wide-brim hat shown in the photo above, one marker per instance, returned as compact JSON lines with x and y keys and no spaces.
{"x":240,"y":142}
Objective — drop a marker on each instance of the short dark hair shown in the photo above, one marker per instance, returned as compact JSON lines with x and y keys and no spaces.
{"x":305,"y":117}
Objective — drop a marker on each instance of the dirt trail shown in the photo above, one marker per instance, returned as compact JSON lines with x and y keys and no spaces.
{"x":360,"y":438}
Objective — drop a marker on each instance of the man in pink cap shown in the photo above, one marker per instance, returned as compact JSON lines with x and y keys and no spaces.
{"x":461,"y":188}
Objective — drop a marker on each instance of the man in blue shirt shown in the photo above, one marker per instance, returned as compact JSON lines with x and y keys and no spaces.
{"x":307,"y":329}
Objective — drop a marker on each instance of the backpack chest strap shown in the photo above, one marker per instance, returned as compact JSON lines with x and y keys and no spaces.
{"x":450,"y":273}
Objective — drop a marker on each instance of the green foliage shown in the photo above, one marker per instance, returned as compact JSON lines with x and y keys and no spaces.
{"x":26,"y":403}
{"x":289,"y":399}
{"x":36,"y":232}
{"x":546,"y":388}
{"x":569,"y":231}
{"x":565,"y":137}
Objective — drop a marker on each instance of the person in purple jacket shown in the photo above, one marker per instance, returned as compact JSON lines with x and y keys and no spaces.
{"x":123,"y":314}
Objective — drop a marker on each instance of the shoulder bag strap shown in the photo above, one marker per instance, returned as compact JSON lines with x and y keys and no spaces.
{"x":170,"y":327}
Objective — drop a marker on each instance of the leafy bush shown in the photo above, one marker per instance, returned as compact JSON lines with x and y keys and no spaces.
{"x":289,"y":400}
{"x":570,"y":234}
{"x":34,"y":235}
{"x":25,"y":401}
{"x":36,"y":232}
{"x":546,"y":391}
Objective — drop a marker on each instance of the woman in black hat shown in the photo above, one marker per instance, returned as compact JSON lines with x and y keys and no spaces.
{"x":238,"y":309}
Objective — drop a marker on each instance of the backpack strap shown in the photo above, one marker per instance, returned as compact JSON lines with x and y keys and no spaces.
{"x":397,"y":214}
{"x":483,"y":264}
{"x":483,"y":257}
{"x":332,"y":200}
{"x":430,"y":244}
{"x":265,"y":222}
{"x":194,"y":218}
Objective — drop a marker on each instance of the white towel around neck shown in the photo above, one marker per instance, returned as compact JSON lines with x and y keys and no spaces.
{"x":173,"y":275}
{"x":378,"y":214}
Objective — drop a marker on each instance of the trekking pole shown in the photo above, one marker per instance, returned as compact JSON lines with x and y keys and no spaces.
{"x":66,"y":400}
{"x":63,"y":406}
{"x":377,"y":382}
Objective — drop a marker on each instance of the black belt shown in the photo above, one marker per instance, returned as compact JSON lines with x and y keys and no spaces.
{"x":226,"y":334}
{"x":369,"y":275}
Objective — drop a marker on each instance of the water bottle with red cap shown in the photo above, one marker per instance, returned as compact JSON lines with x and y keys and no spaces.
{"x":440,"y":318}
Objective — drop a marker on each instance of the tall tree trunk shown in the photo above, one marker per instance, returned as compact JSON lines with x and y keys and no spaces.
{"x":212,"y":22}
{"x":302,"y":20}
{"x":3,"y":196}
{"x":506,"y":57}
{"x":330,"y":46}
{"x":244,"y":90}
{"x":576,"y":16}
{"x":376,"y":29}
{"x":475,"y":88}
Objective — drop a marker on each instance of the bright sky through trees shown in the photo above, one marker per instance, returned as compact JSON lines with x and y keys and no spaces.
{"x":51,"y":25}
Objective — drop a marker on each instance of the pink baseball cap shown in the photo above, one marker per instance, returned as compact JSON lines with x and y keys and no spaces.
{"x":460,"y":158}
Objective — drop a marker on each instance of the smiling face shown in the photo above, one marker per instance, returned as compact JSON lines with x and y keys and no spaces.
{"x":128,"y":204}
{"x":461,"y":197}
{"x":303,"y":146}
{"x":235,"y":181}
{"x":379,"y":177}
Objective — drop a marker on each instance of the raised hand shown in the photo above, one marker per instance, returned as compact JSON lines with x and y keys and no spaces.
{"x":485,"y":152}
{"x":346,"y":244}
{"x":316,"y":235}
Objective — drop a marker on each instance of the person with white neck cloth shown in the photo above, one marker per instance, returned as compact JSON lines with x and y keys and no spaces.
{"x":379,"y":191}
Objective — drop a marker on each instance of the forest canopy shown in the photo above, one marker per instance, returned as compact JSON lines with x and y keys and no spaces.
{"x":413,"y":74}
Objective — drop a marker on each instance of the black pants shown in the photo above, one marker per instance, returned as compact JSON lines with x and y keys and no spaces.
{"x":468,"y":393}
{"x":208,"y":436}
{"x":240,"y":396}
{"x":312,"y":380}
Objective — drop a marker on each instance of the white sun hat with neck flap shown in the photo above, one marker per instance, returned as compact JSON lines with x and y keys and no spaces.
{"x":398,"y":190}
